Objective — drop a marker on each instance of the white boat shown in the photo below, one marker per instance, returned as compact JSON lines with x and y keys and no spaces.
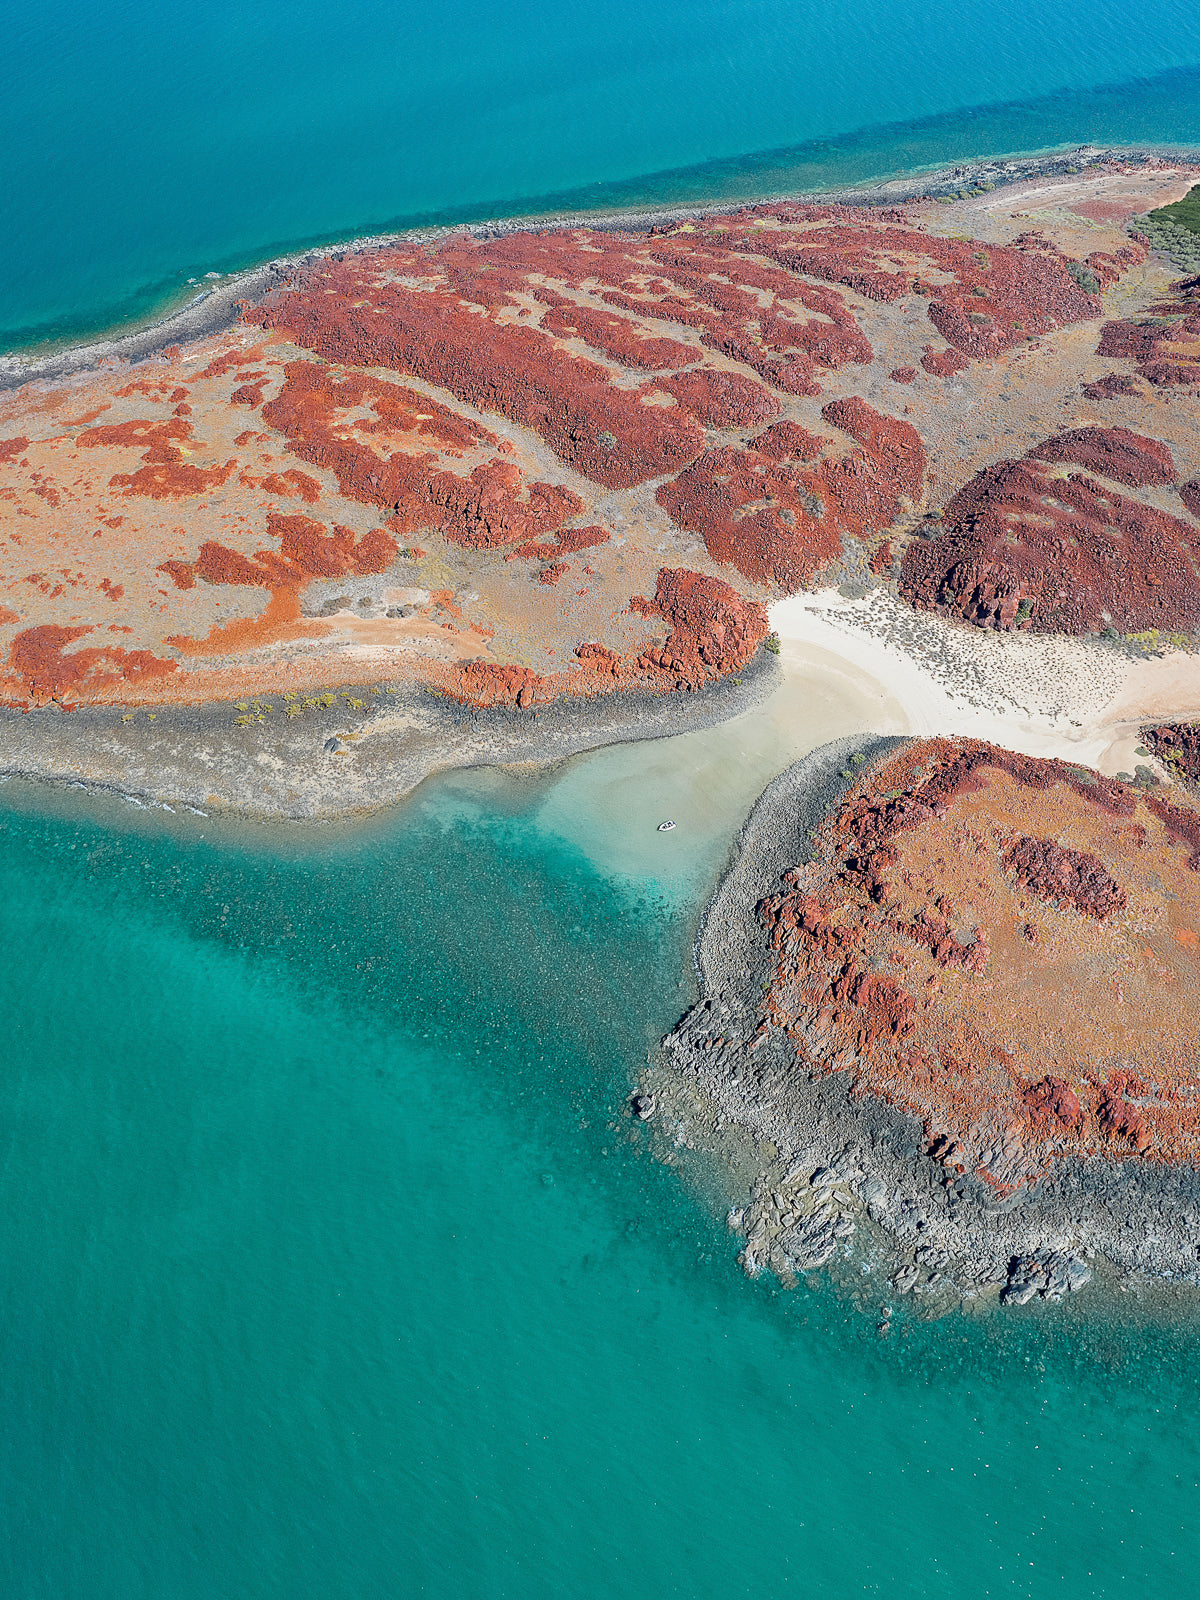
{"x":665,"y":827}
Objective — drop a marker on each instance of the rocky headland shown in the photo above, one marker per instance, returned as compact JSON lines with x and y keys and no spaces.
{"x":953,"y":992}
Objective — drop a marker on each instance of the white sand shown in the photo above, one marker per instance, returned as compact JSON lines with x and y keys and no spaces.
{"x":863,"y":666}
{"x":1042,"y":695}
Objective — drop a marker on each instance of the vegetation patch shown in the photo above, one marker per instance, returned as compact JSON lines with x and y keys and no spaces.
{"x":1184,"y":213}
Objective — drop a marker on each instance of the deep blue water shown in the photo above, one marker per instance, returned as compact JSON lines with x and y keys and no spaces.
{"x":330,"y":1267}
{"x":145,"y":144}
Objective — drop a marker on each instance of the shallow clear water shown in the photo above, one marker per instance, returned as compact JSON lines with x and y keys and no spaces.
{"x":331,"y":1267}
{"x":147,"y":144}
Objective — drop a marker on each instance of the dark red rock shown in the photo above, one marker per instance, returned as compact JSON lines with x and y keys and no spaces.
{"x":1060,"y":875}
{"x":1024,"y":548}
{"x":1178,"y":745}
{"x":1115,"y":452}
{"x":1110,"y":387}
{"x":761,"y":508}
{"x":1162,"y":345}
{"x":1053,"y":1105}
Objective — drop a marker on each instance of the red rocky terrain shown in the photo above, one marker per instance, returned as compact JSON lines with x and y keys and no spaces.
{"x":1177,"y":744}
{"x":1006,"y":948}
{"x":1048,"y":543}
{"x":463,"y":462}
{"x":1163,"y":345}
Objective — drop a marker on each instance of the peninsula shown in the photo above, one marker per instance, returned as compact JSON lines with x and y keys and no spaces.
{"x":955,"y":992}
{"x":508,"y":494}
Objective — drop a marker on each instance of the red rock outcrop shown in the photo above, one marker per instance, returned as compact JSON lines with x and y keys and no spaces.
{"x":567,"y":541}
{"x":714,"y":631}
{"x":165,"y":475}
{"x":1053,"y":1106}
{"x":306,"y":550}
{"x":613,"y":435}
{"x":492,"y":507}
{"x":1114,"y":452}
{"x":1025,"y":546}
{"x":1177,"y":744}
{"x":763,"y":509}
{"x":1164,"y":346}
{"x":1061,"y":875}
{"x":1110,"y":387}
{"x":41,"y":659}
{"x":997,"y":296}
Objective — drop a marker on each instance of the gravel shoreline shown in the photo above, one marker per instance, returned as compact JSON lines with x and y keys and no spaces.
{"x":342,"y":759}
{"x":839,"y":1175}
{"x":217,"y":310}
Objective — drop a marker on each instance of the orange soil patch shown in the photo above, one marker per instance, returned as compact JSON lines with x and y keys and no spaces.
{"x":1005,"y":947}
{"x":274,"y":624}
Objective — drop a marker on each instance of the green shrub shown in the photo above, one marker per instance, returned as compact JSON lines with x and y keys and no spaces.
{"x":1086,"y":280}
{"x":1183,"y":213}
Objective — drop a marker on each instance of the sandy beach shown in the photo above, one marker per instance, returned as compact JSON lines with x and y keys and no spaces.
{"x":853,"y":668}
{"x":1039,"y":694}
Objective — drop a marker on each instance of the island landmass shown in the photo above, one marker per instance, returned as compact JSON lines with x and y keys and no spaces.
{"x":548,"y":466}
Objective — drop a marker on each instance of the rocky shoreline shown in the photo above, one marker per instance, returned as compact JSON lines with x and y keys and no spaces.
{"x":349,"y":753}
{"x":218,"y":309}
{"x":839,"y":1173}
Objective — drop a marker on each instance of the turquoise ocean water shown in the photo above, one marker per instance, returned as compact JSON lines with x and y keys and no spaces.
{"x":326,"y":1273}
{"x":145,"y":144}
{"x":329,"y":1266}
